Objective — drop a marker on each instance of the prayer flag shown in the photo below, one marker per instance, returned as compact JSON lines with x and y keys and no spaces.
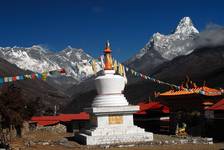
{"x":10,"y":79}
{"x":26,"y":76}
{"x":94,"y":66}
{"x":33,"y":76}
{"x":44,"y":76}
{"x":14,"y":78}
{"x":102,"y":61}
{"x":115,"y":65}
{"x":21,"y":77}
{"x":17,"y":78}
{"x":121,"y":72}
{"x":132,"y":71}
{"x":126,"y":80}
{"x":145,"y":76}
{"x":1,"y":80}
{"x":39,"y":76}
{"x":6,"y":79}
{"x":126,"y":68}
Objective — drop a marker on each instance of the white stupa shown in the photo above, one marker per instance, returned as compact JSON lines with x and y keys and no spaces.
{"x":111,"y":116}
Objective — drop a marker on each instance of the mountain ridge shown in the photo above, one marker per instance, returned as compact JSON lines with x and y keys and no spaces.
{"x":166,"y":47}
{"x":33,"y":89}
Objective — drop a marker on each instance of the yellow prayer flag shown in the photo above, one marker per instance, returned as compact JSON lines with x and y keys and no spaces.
{"x":120,"y":70}
{"x":44,"y":76}
{"x":94,"y":66}
{"x":115,"y":65}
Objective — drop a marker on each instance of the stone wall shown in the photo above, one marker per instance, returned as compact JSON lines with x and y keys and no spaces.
{"x":58,"y":128}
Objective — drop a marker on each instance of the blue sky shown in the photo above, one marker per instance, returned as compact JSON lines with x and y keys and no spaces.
{"x":87,"y":24}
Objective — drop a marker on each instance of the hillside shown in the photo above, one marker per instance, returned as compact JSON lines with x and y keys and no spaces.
{"x":32,"y":89}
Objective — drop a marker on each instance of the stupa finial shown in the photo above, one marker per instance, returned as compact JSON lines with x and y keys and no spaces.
{"x":108,"y":57}
{"x":107,"y":47}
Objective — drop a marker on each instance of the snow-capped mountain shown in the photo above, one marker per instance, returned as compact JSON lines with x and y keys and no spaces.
{"x":75,"y":61}
{"x":38,"y":59}
{"x":178,"y":43}
{"x":33,"y":58}
{"x":168,"y":46}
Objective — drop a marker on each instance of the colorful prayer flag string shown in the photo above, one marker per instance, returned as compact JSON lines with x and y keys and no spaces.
{"x":33,"y":76}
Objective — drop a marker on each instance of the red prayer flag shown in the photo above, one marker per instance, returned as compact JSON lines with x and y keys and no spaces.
{"x":14,"y":78}
{"x":33,"y":76}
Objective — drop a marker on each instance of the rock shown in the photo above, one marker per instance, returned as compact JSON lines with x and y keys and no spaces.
{"x":29,"y":143}
{"x":58,"y":128}
{"x":105,"y":146}
{"x":210,"y":140}
{"x":63,"y":140}
{"x":183,"y":141}
{"x":66,"y":144}
{"x":194,"y":141}
{"x":45,"y":143}
{"x":130,"y":145}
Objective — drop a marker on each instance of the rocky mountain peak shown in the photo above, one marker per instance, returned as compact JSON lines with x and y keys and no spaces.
{"x":38,"y":47}
{"x":176,"y":44}
{"x":186,"y":26}
{"x":71,"y":50}
{"x":167,"y":47}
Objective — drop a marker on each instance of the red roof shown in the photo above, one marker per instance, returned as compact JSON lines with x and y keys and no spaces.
{"x":69,"y":117}
{"x":218,"y":106}
{"x":152,"y":106}
{"x":50,"y":120}
{"x":46,"y":123}
{"x":199,"y":90}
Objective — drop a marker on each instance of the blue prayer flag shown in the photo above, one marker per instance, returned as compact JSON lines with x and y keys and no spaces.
{"x":1,"y":80}
{"x":21,"y":77}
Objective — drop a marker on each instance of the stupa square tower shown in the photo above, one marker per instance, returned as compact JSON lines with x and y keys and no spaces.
{"x":111,"y":116}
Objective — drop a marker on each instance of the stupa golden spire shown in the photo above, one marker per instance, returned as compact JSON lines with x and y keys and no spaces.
{"x":108,"y":57}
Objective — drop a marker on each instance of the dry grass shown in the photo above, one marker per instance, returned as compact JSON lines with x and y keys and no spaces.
{"x":19,"y":143}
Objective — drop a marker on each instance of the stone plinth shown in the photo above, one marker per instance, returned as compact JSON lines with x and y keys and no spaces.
{"x":112,"y":125}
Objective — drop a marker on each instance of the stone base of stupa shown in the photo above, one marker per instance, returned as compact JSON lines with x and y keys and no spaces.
{"x":112,"y":125}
